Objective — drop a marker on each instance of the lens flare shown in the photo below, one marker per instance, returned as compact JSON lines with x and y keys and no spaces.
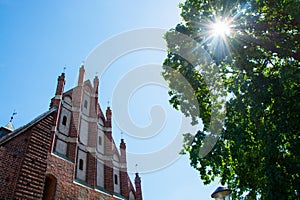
{"x":216,"y":35}
{"x":220,"y":28}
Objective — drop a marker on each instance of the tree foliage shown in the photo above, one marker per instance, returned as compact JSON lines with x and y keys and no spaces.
{"x":258,"y":149}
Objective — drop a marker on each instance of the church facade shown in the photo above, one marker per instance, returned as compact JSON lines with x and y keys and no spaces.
{"x":67,"y":152}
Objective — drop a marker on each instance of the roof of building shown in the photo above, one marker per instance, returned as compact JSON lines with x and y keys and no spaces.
{"x":10,"y":126}
{"x":27,"y":126}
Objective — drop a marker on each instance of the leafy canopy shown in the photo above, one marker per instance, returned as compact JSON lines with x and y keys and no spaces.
{"x":258,"y":148}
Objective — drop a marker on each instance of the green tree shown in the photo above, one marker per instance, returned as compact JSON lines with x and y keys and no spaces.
{"x":258,"y":148}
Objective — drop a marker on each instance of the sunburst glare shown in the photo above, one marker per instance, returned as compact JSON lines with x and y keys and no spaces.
{"x":220,"y":28}
{"x":216,"y":31}
{"x":217,"y":35}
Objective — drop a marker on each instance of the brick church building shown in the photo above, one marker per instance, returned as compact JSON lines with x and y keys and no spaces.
{"x":67,"y":152}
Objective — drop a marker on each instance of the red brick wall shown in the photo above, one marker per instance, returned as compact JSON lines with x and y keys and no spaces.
{"x":11,"y":156}
{"x":30,"y":184}
{"x":23,"y":162}
{"x":66,"y":188}
{"x":72,"y":147}
{"x":108,"y":176}
{"x":63,"y":171}
{"x":91,"y":169}
{"x":124,"y":184}
{"x":108,"y":170}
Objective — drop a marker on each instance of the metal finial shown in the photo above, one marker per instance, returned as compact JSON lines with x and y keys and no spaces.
{"x":64,"y":69}
{"x":108,"y":103}
{"x":12,"y":116}
{"x":122,"y":135}
{"x":136,"y":168}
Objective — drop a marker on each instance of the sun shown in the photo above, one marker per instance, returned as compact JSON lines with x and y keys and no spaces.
{"x":220,"y":28}
{"x":217,"y":35}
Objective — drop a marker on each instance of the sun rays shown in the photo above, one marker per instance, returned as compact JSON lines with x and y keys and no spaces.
{"x":218,"y":29}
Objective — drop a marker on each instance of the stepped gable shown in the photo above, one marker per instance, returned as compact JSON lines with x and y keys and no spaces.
{"x":68,"y":152}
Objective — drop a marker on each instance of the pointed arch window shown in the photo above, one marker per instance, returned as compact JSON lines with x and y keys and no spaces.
{"x":80,"y":164}
{"x":64,"y":121}
{"x":85,"y":104}
{"x":116,"y":179}
{"x":100,"y":140}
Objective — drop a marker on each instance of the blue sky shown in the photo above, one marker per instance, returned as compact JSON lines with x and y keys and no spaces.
{"x":39,"y":38}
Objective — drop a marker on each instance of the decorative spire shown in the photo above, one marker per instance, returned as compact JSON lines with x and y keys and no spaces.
{"x":55,"y":102}
{"x":123,"y":151}
{"x":96,"y":84}
{"x":138,"y":188}
{"x":108,"y":117}
{"x":81,"y":75}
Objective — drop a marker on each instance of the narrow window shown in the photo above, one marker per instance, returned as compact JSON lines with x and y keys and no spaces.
{"x":80,"y":164}
{"x":116,"y":179}
{"x":64,"y":121}
{"x":85,"y":104}
{"x":100,"y":140}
